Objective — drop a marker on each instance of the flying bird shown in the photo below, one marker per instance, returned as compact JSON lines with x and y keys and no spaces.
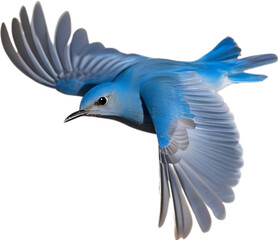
{"x":198,"y":143}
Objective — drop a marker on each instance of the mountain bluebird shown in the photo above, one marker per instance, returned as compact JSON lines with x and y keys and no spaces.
{"x":199,"y":152}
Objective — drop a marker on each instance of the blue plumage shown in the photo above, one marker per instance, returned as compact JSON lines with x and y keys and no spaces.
{"x":225,"y":50}
{"x":199,"y":152}
{"x":222,"y":66}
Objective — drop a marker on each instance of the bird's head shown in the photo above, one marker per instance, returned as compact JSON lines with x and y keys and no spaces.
{"x":104,"y":100}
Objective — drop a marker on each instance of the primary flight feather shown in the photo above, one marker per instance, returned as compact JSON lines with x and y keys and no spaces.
{"x":199,"y":152}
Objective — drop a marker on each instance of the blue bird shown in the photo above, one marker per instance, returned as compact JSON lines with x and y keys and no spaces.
{"x":199,"y":152}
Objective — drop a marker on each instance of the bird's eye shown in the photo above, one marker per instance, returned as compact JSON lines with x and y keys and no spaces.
{"x":102,"y":100}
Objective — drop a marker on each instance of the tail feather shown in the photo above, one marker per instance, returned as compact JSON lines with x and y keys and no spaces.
{"x":254,"y":61}
{"x":237,"y":73}
{"x":226,"y":68}
{"x":246,"y":77}
{"x":225,"y":50}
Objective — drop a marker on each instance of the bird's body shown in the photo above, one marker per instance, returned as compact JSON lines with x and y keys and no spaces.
{"x":129,"y":84}
{"x":199,"y":151}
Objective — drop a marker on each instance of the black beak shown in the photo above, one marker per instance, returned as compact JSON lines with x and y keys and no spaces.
{"x":77,"y":114}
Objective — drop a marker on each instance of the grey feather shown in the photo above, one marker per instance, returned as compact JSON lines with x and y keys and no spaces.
{"x":57,"y":65}
{"x":89,"y":53}
{"x":41,"y":53}
{"x":27,"y":31}
{"x":219,"y":158}
{"x":62,"y":35}
{"x":54,"y":69}
{"x":41,"y":37}
{"x":26,"y":53}
{"x":17,"y":60}
{"x":78,"y":43}
{"x":179,"y":138}
{"x":212,"y":170}
{"x":209,"y":197}
{"x":165,"y":194}
{"x":110,"y":65}
{"x":199,"y":208}
{"x":91,"y":66}
{"x":182,"y":213}
{"x":98,"y":68}
{"x":40,"y":28}
{"x":218,"y":184}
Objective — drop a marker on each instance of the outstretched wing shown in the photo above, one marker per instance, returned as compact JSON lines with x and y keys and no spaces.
{"x":71,"y":69}
{"x":199,"y":152}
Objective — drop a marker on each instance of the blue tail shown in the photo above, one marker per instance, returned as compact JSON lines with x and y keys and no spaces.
{"x":225,"y":50}
{"x":225,"y":57}
{"x":240,"y":65}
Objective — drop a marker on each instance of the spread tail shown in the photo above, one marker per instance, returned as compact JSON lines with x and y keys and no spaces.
{"x":224,"y":63}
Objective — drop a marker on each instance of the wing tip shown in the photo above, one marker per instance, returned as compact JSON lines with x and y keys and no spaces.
{"x":66,"y":13}
{"x":3,"y":27}
{"x":5,"y":36}
{"x":165,"y":194}
{"x":37,"y":8}
{"x":38,"y":14}
{"x":38,"y":5}
{"x":161,"y":222}
{"x":22,"y":10}
{"x":15,"y":21}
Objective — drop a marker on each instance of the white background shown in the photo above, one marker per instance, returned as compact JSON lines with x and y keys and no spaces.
{"x":99,"y":179}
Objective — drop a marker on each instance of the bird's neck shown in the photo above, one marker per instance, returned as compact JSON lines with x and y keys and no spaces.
{"x":131,"y":104}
